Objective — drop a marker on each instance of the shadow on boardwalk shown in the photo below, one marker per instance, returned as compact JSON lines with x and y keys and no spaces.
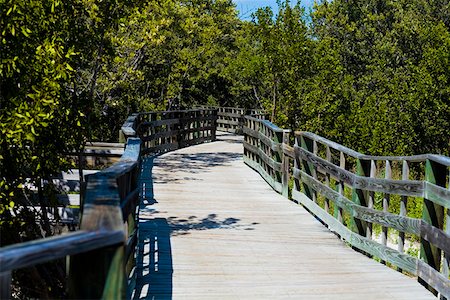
{"x":191,"y":164}
{"x":154,"y":256}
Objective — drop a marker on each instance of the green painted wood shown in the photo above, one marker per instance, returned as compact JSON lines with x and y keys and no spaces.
{"x":308,"y":167}
{"x":116,"y":282}
{"x":402,"y":260}
{"x":432,"y":214}
{"x":89,"y":272}
{"x":400,"y":223}
{"x":413,"y":188}
{"x":436,"y":194}
{"x":360,"y":197}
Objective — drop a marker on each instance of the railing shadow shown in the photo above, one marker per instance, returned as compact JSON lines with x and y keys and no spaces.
{"x":154,"y":256}
{"x":191,"y":164}
{"x":154,"y":261}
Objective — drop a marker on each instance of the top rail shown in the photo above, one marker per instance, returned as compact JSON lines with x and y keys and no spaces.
{"x":102,"y":250}
{"x":110,"y":206}
{"x":353,"y":193}
{"x":444,"y":160}
{"x":231,"y":119}
{"x":169,"y":130}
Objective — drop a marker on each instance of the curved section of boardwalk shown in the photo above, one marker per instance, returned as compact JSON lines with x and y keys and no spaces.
{"x":211,"y":228}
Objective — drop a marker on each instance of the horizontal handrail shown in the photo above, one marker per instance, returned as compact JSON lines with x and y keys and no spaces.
{"x":164,"y":131}
{"x":321,"y":183}
{"x":109,"y":207}
{"x":444,"y":160}
{"x":231,"y":119}
{"x":35,"y":252}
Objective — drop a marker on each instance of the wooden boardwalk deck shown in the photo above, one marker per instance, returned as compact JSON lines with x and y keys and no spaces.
{"x":211,"y":228}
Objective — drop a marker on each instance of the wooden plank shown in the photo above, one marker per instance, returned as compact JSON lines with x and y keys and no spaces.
{"x":436,"y":236}
{"x":437,"y":194}
{"x":434,"y":279}
{"x":163,"y":134}
{"x":443,"y":160}
{"x":218,"y":231}
{"x":5,"y":285}
{"x":432,"y":214}
{"x":158,"y":123}
{"x":386,"y":200}
{"x":392,"y":256}
{"x":413,"y":188}
{"x":43,"y":250}
{"x":128,"y":128}
{"x":400,"y":223}
{"x":403,"y":207}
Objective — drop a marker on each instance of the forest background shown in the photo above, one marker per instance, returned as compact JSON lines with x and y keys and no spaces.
{"x":373,"y":75}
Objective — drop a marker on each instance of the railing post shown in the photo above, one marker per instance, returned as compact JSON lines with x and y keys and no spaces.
{"x":100,"y":273}
{"x":214,"y":124}
{"x":360,"y":196}
{"x":338,"y":212}
{"x":285,"y":165}
{"x":308,"y":145}
{"x":403,"y":209}
{"x":5,"y":285}
{"x":432,"y":214}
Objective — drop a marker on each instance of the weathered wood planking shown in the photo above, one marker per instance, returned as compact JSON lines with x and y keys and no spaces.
{"x":36,"y":252}
{"x":216,"y":230}
{"x":405,"y":188}
{"x":263,"y":144}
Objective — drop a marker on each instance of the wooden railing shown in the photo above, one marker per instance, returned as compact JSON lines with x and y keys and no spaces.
{"x":232,"y":119}
{"x":101,"y":252}
{"x":342,"y":187}
{"x":170,"y":130}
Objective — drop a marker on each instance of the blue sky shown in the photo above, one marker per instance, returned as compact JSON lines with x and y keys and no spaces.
{"x":246,"y":7}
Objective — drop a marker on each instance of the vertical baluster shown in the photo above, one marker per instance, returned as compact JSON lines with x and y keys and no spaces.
{"x":285,"y":164}
{"x":371,"y":197}
{"x":314,"y":173}
{"x":432,"y":214}
{"x":386,"y":198}
{"x":297,"y":163}
{"x":308,"y":168}
{"x":5,"y":285}
{"x":360,"y":196}
{"x":403,"y":211}
{"x":341,"y":186}
{"x":214,"y":125}
{"x":327,"y":177}
{"x":445,"y":265}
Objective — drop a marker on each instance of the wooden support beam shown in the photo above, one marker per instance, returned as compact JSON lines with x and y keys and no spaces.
{"x":432,"y":214}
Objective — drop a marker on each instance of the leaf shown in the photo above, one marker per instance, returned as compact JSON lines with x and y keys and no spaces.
{"x":24,"y":32}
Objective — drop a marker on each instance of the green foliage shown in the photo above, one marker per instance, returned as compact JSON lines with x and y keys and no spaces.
{"x":371,"y":75}
{"x":389,"y":91}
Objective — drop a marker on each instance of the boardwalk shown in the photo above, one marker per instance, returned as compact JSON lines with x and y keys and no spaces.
{"x":213,"y":229}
